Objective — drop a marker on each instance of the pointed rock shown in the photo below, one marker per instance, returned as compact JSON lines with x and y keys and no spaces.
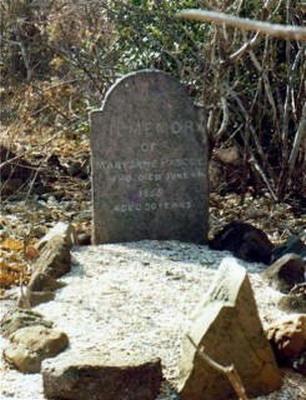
{"x":227,"y":325}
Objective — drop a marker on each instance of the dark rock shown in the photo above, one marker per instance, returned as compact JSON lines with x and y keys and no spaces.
{"x":90,"y":378}
{"x":245,"y":241}
{"x":286,"y":272}
{"x":228,"y":327}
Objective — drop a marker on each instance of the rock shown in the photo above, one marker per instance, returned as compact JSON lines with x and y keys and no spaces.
{"x":288,"y":339}
{"x":19,"y":318}
{"x":90,"y":378}
{"x":295,"y":300}
{"x":228,"y":326}
{"x":54,"y":260}
{"x":61,"y":229}
{"x":244,"y":241}
{"x":31,"y":345}
{"x":286,"y":272}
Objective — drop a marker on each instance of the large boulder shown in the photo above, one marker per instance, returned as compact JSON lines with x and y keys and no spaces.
{"x":75,"y":377}
{"x":228,"y":327}
{"x":31,"y":345}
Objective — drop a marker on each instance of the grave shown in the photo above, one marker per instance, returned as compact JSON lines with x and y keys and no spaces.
{"x":149,"y":162}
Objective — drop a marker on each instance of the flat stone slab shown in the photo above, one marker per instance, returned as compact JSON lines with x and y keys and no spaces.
{"x":89,"y":377}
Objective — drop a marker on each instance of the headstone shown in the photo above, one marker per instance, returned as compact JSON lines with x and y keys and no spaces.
{"x":149,"y":162}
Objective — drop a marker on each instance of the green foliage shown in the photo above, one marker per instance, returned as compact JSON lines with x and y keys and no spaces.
{"x":149,"y":36}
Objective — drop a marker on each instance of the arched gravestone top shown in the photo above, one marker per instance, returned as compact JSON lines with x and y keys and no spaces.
{"x":149,"y":162}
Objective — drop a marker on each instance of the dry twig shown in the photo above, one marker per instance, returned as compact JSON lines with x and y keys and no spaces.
{"x":230,"y":371}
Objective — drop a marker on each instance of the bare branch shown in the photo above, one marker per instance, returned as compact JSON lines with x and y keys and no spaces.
{"x":263,"y":176}
{"x":246,"y":46}
{"x":277,"y":30}
{"x":225,"y":119}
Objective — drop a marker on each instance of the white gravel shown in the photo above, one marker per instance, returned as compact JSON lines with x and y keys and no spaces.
{"x":134,"y":299}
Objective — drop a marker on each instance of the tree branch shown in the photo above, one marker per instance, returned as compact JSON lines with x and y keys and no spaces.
{"x":286,"y":32}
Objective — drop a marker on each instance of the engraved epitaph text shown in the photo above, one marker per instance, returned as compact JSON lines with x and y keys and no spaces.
{"x":149,"y":162}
